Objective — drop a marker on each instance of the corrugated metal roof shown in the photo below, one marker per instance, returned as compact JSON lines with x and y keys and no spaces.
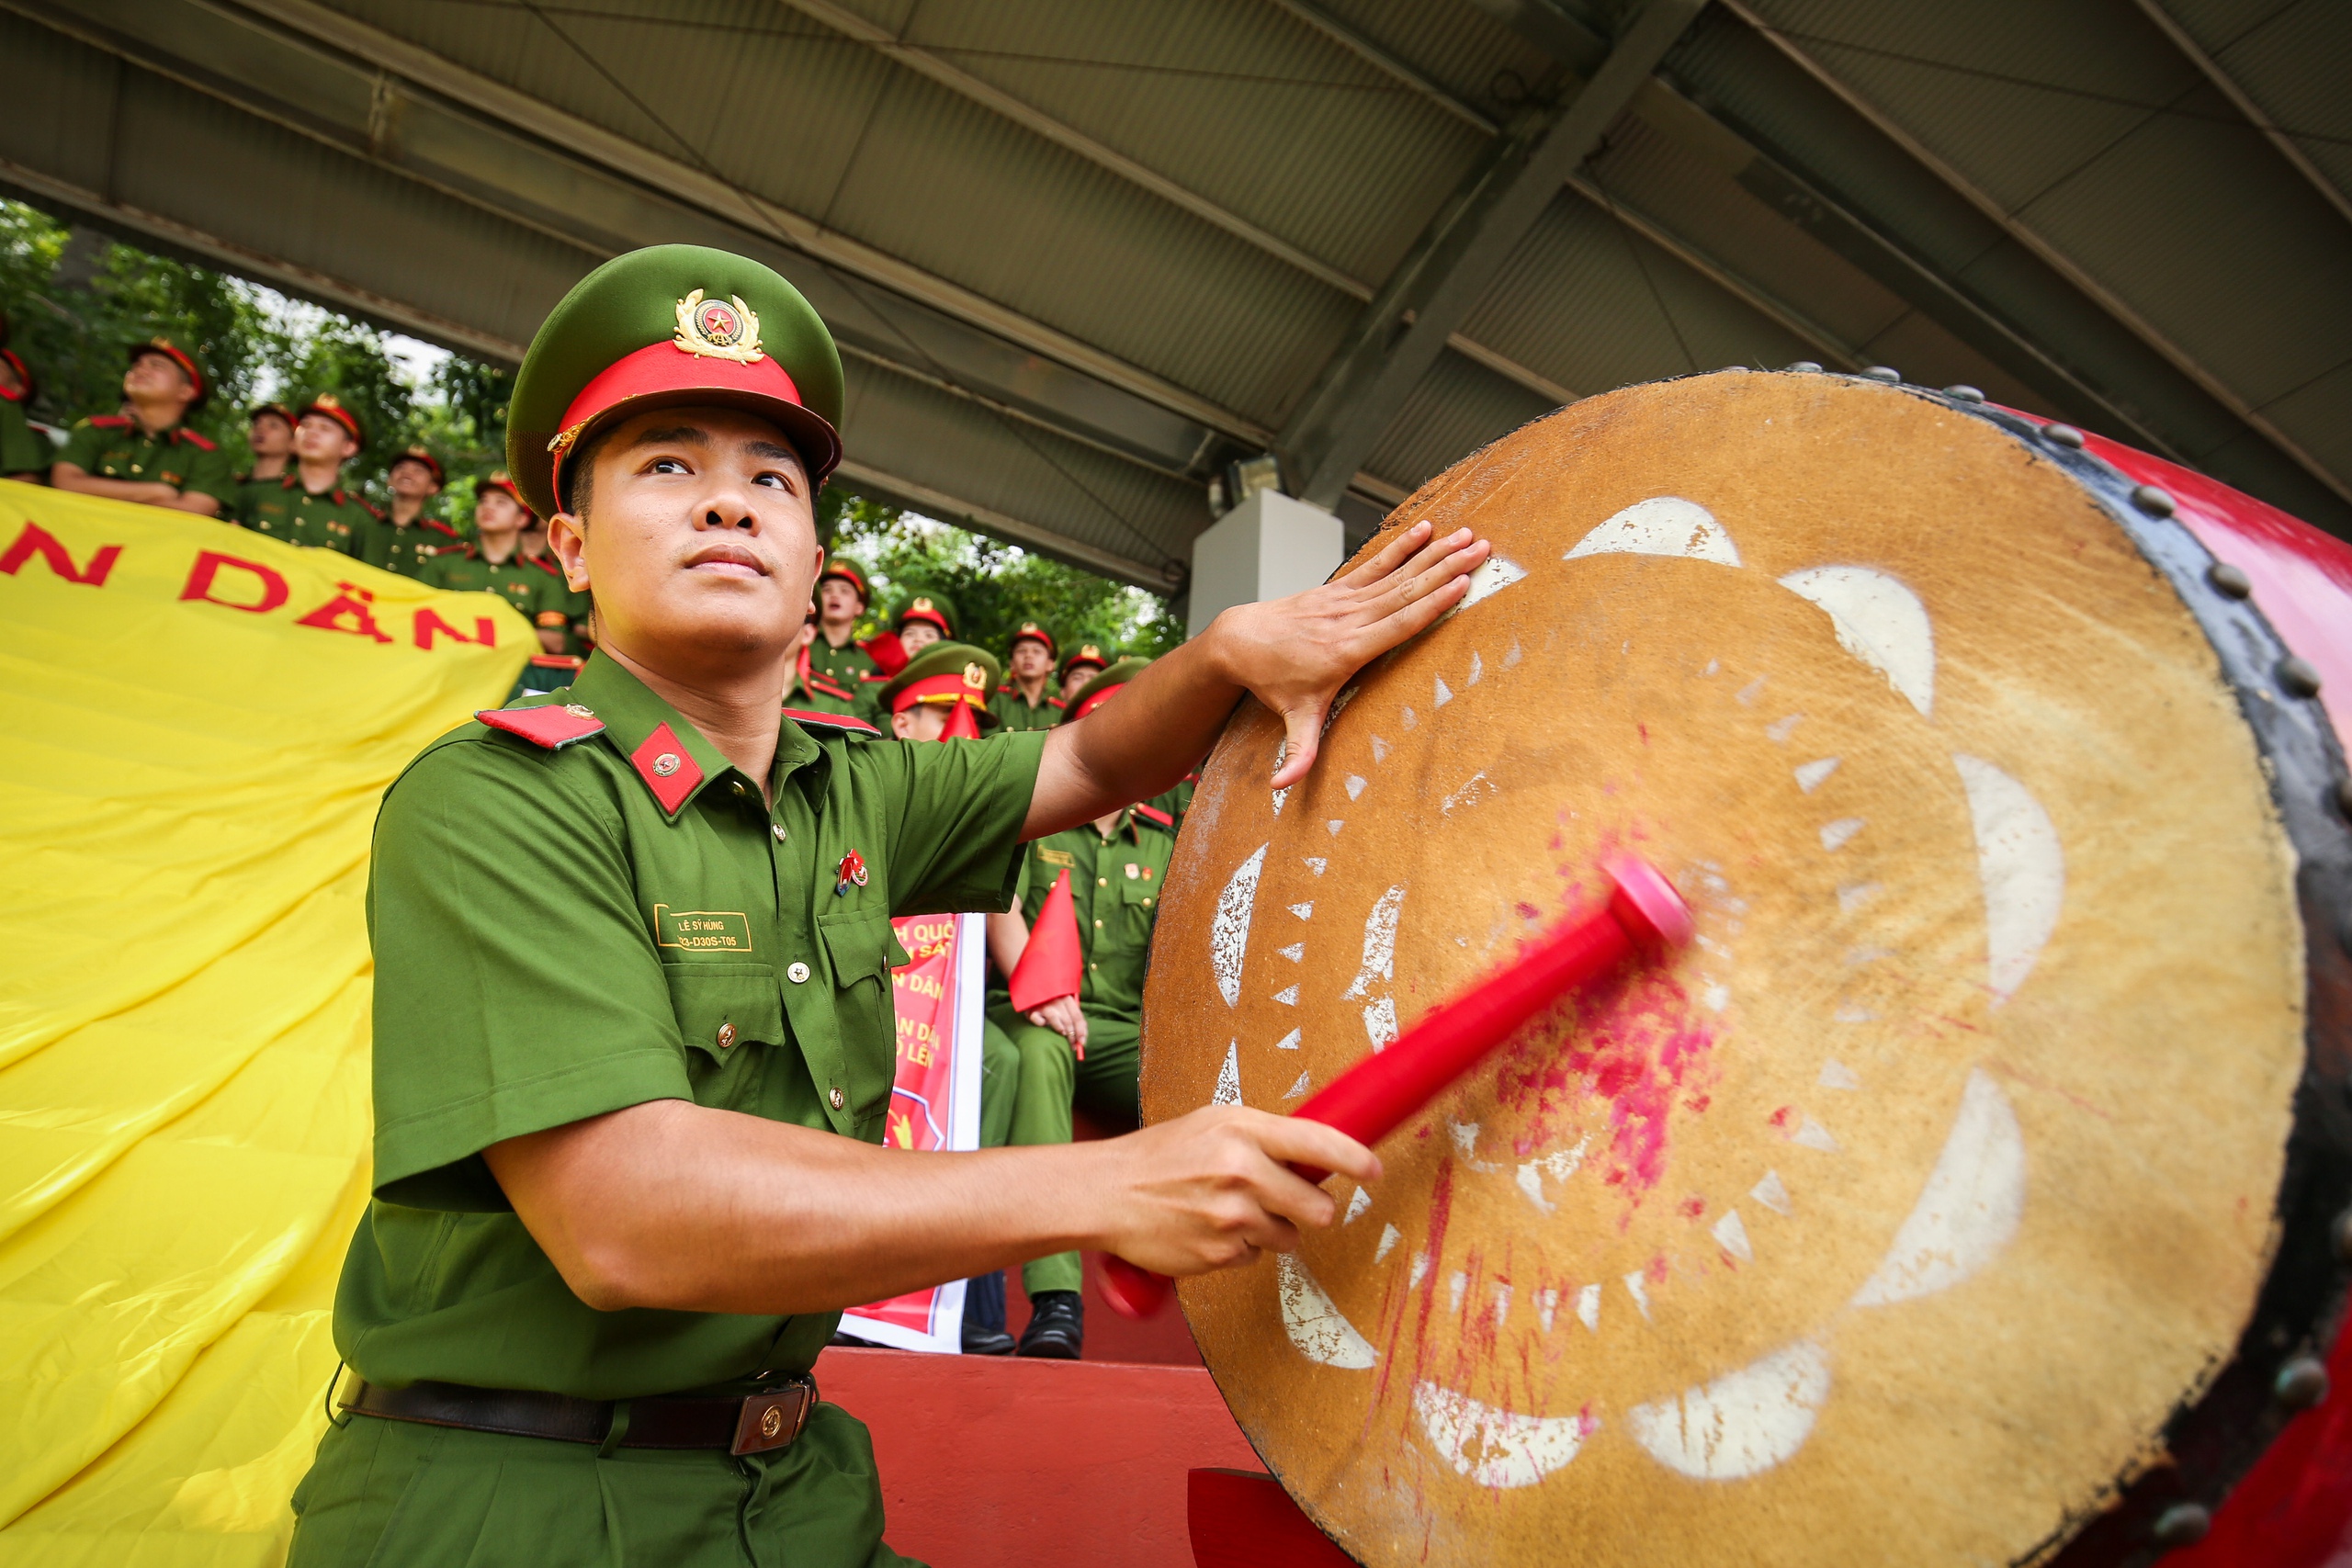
{"x":1458,"y":408}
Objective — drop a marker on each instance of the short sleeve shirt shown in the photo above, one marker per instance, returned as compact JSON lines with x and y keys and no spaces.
{"x":331,"y":520}
{"x":1114,"y":887}
{"x":116,"y":446}
{"x":554,"y":941}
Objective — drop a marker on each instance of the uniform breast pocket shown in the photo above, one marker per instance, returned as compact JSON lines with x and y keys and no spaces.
{"x":721,"y":1008}
{"x":862,"y":949}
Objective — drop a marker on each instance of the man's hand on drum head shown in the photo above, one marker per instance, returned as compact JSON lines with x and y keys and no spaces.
{"x":1295,"y":654}
{"x":1214,"y":1188}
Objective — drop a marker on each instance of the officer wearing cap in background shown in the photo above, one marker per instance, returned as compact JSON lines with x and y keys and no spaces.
{"x":491,"y":562}
{"x":310,"y":506}
{"x":1118,"y":866}
{"x":835,"y":653}
{"x":814,"y":690}
{"x":929,"y":618}
{"x":531,"y":546}
{"x":1028,"y":700}
{"x":270,"y":436}
{"x":23,"y":454}
{"x":407,"y":539}
{"x":149,"y":453}
{"x":634,"y":1040}
{"x":1083,"y":663}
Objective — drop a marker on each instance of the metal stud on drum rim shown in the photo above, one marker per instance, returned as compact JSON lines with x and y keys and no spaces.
{"x":1302,"y":927}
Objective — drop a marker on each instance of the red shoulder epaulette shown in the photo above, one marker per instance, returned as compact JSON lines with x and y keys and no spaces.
{"x":872,"y":679}
{"x":436,"y":522}
{"x":546,"y":564}
{"x":809,"y":719}
{"x":1156,"y":817}
{"x":111,"y":421}
{"x":829,"y":687}
{"x":557,"y":662}
{"x":1055,"y":702}
{"x":193,"y":439}
{"x":554,"y":725}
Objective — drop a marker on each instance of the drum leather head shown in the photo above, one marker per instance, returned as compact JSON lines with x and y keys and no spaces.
{"x":1894,"y":1218}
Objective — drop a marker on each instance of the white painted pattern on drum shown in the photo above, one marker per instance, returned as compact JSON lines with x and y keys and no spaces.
{"x":1969,"y":1209}
{"x":1773,"y":1192}
{"x":1880,"y":622}
{"x":1494,"y":1446}
{"x":1361,"y":1202}
{"x":1814,"y":774}
{"x":1228,"y":1077}
{"x":1379,"y":944}
{"x":1662,"y":525}
{"x":1316,"y":1327}
{"x":1742,"y":1423}
{"x":1588,"y":1307}
{"x":1732,"y":1237}
{"x":1230,"y":929}
{"x":1490,"y":577}
{"x":2024,"y":867}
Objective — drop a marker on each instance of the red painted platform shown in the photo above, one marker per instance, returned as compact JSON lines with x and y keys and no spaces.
{"x":991,"y":1462}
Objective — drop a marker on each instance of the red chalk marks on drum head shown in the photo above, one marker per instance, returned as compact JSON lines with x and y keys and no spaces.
{"x":1741,"y":1424}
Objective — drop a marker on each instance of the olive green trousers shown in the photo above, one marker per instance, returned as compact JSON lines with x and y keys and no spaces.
{"x":1052,"y":1080}
{"x":397,"y":1495}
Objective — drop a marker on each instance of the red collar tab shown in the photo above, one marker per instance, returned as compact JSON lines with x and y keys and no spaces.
{"x":667,"y":768}
{"x":852,"y":874}
{"x":807,"y":718}
{"x":1098,"y":699}
{"x":553,"y":725}
{"x":1156,"y":817}
{"x":111,"y":421}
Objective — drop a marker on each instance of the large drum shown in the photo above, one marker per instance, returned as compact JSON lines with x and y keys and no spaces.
{"x":1969,"y":1193}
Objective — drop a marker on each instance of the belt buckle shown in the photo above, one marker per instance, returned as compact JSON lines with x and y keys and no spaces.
{"x":772,"y":1420}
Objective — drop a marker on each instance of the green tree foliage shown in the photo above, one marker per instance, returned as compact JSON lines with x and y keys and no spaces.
{"x":76,"y":300}
{"x":995,"y":586}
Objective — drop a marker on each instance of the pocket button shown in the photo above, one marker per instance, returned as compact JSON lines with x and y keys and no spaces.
{"x":726,"y":1035}
{"x":837,"y":1098}
{"x":797,"y":973}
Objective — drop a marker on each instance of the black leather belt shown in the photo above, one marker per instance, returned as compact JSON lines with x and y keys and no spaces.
{"x":749,"y":1425}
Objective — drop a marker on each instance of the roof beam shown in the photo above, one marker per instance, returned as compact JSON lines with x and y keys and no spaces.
{"x":2123,"y":314}
{"x":1401,"y":333}
{"x":1380,"y":59}
{"x":2194,"y":52}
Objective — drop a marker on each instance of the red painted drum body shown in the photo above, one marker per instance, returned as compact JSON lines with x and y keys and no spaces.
{"x":1972,"y":1189}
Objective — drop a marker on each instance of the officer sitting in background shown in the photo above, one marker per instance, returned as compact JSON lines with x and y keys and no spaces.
{"x":310,"y":506}
{"x":1117,"y":865}
{"x":1085,"y":662}
{"x":24,"y":453}
{"x":270,"y":436}
{"x":148,"y":453}
{"x":1025,"y":702}
{"x":407,"y":538}
{"x":492,"y":563}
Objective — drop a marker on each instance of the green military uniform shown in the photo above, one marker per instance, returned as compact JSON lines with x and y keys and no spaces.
{"x":247,"y":489}
{"x":538,"y":597}
{"x":1010,"y":707}
{"x":1177,"y":799}
{"x":552,"y":941}
{"x":1114,"y":885}
{"x":116,"y":446}
{"x":1086,"y":656}
{"x":336,"y":519}
{"x":408,"y":548}
{"x":851,"y":669}
{"x":22,"y":451}
{"x":579,"y":905}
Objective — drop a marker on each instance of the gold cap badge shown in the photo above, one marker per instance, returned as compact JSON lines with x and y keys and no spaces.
{"x":920,"y":605}
{"x":975,"y":677}
{"x":723,"y":330}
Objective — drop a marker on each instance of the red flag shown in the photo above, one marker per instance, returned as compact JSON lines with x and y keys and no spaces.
{"x":964,"y":723}
{"x":1052,"y":963}
{"x":884,"y":649}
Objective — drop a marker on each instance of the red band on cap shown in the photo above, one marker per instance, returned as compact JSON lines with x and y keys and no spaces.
{"x":665,"y":367}
{"x":944,"y":688}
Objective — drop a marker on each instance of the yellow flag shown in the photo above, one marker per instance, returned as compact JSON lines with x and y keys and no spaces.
{"x":195,"y":726}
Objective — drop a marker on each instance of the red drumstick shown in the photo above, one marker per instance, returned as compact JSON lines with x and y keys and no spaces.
{"x":1644,"y":915}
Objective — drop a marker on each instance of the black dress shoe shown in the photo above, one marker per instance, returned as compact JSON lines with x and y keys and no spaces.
{"x":1057,"y":1328}
{"x":852,"y":1342}
{"x":981,"y":1340}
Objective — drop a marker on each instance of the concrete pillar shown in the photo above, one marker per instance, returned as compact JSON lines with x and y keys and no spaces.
{"x":1267,"y":548}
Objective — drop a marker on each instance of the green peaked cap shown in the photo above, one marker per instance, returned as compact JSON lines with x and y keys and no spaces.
{"x":1110,"y":681}
{"x":934,"y":603}
{"x":749,"y":341}
{"x":940,"y":671}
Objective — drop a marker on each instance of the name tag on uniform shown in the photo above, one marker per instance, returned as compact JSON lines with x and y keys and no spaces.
{"x":702,"y":931}
{"x":1057,"y":857}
